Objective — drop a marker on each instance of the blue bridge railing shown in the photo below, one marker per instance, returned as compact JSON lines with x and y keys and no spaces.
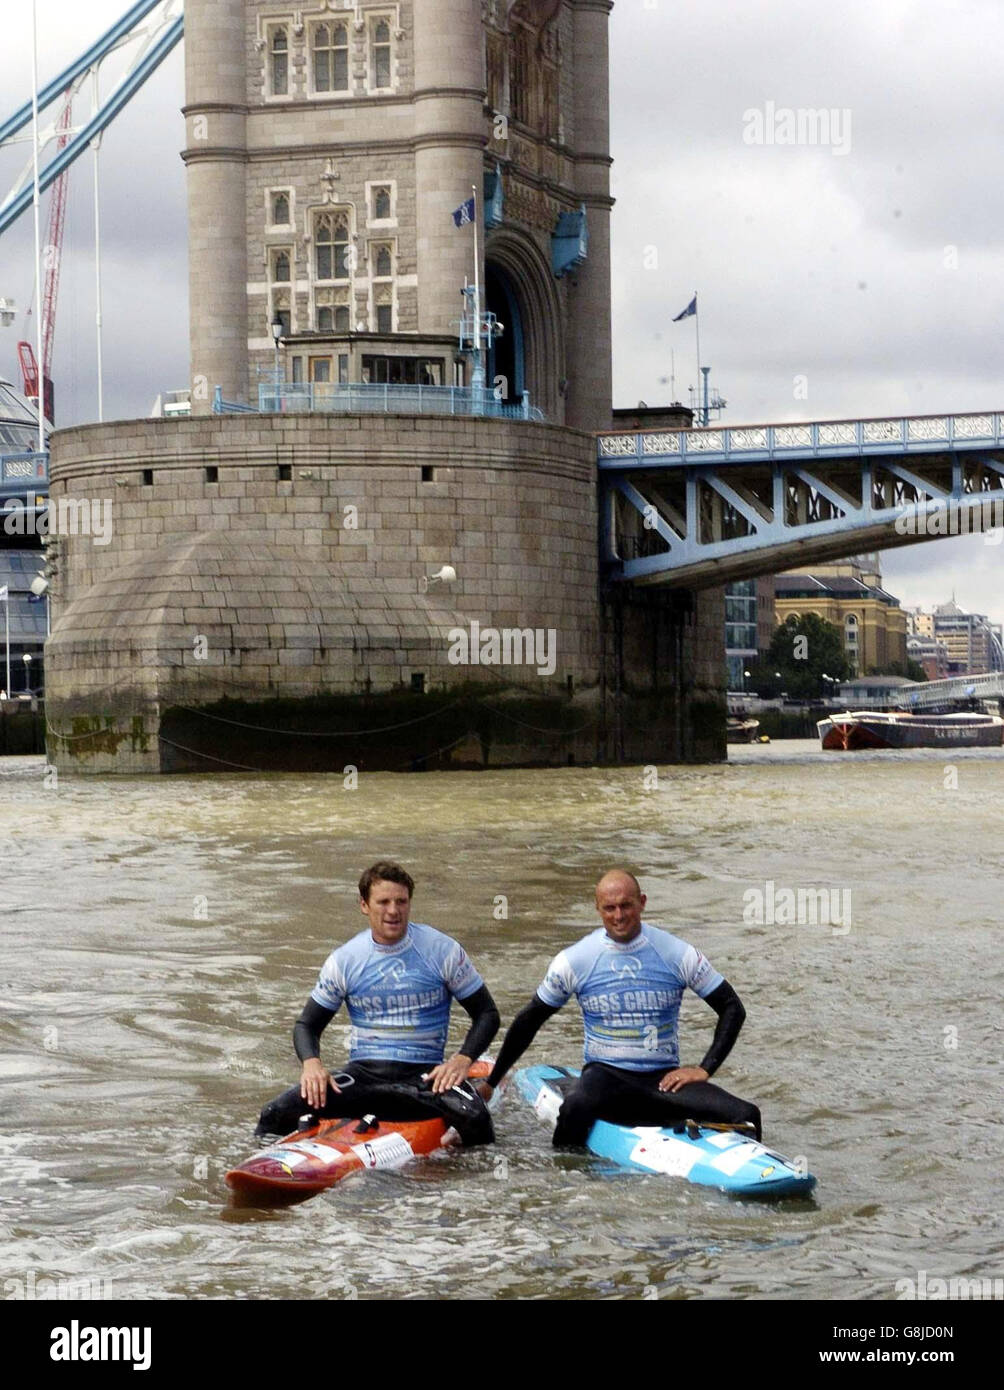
{"x":24,"y":470}
{"x":378,"y":398}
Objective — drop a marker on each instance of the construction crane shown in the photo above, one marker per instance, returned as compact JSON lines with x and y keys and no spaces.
{"x":152,"y":28}
{"x":53,"y":264}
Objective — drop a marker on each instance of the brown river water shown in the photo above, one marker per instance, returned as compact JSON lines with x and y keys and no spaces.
{"x":160,"y":935}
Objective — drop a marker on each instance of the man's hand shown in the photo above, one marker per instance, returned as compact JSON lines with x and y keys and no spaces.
{"x":314,"y":1083}
{"x":484,"y":1090}
{"x":682,"y":1076}
{"x":448,"y":1073}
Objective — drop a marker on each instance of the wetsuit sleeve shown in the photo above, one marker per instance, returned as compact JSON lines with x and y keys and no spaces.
{"x":484,"y":1023}
{"x":731,"y":1015}
{"x":522,"y":1031}
{"x":308,"y":1029}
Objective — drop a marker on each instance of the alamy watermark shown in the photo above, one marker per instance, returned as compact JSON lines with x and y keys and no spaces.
{"x":36,"y":1287}
{"x":505,"y":646}
{"x":804,"y":125}
{"x":955,"y":518}
{"x":771,"y":906}
{"x":926,"y":1286}
{"x":66,"y":516}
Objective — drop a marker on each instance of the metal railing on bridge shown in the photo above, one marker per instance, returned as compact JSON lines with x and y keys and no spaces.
{"x":25,"y":470}
{"x":932,"y":694}
{"x":379,"y":398}
{"x":817,"y":439}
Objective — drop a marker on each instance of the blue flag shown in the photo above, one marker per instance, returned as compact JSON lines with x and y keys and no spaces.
{"x":464,"y":213}
{"x":690,"y":309}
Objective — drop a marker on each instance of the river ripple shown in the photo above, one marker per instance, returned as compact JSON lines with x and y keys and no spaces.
{"x":141,"y":1027}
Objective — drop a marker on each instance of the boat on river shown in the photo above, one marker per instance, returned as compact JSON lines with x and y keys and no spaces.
{"x":896,"y":729}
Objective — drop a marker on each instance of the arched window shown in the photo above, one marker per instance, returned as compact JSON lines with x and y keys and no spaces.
{"x":381,"y":203}
{"x":384,"y":310}
{"x":331,"y":58}
{"x":280,"y":266}
{"x":280,"y":62}
{"x":383,"y":265}
{"x":331,"y":245}
{"x":381,"y":54}
{"x":522,"y":72}
{"x":280,"y":210}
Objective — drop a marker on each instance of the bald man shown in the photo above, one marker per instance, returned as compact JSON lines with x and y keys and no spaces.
{"x":629,"y":978}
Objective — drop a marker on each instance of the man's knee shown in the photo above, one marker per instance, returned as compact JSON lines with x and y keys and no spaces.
{"x":575,"y":1119}
{"x":751,"y":1115}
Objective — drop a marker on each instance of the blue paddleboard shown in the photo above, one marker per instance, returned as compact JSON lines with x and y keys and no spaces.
{"x":712,"y":1158}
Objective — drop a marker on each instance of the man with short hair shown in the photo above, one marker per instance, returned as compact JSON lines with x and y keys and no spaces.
{"x":629,"y":978}
{"x":397,"y":979}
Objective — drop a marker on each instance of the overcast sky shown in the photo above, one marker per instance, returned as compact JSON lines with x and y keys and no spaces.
{"x":865,"y":274}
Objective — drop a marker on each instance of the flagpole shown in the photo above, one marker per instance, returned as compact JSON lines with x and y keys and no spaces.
{"x":479,"y":379}
{"x":39,"y":325}
{"x":697,"y":330}
{"x":6,"y":628}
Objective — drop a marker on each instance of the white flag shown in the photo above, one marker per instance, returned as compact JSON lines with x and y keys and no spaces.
{"x":3,"y":593}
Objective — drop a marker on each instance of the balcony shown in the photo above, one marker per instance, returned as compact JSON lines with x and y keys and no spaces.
{"x":378,"y":399}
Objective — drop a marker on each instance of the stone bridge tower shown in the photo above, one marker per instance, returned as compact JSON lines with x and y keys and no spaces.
{"x":265,"y":593}
{"x":328,"y":145}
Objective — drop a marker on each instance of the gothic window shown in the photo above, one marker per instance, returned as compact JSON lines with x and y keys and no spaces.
{"x":380,"y":67}
{"x":280,"y":209}
{"x":495,"y":71}
{"x":331,"y":58}
{"x":383,"y":264}
{"x":381,"y":203}
{"x":521,"y":77}
{"x":384,"y":303}
{"x":333,"y":319}
{"x":280,"y":267}
{"x":331,"y":246}
{"x":279,"y":62}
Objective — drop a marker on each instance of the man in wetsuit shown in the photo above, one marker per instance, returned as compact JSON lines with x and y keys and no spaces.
{"x":397,"y":979}
{"x":629,"y":978}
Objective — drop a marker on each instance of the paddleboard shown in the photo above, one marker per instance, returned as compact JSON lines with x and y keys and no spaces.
{"x":709,"y":1157}
{"x":312,"y":1160}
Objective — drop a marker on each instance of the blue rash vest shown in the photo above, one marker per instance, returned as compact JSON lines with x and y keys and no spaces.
{"x":629,"y":994}
{"x":398,"y":997}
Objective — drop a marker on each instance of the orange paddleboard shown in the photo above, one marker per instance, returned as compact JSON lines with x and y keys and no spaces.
{"x":311,"y":1160}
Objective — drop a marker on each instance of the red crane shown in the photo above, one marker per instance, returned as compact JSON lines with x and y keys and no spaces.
{"x":52,"y":258}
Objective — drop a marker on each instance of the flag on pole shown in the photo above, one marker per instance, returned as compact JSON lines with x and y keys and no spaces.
{"x":3,"y":594}
{"x":464,"y":213}
{"x":690,"y":309}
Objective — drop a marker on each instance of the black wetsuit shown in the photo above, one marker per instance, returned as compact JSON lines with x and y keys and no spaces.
{"x":390,"y":1090}
{"x":605,"y":1092}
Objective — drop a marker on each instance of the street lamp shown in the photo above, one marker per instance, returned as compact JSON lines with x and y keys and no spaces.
{"x":27,"y":672}
{"x":278,"y":330}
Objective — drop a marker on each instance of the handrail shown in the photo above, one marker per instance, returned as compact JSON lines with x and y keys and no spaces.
{"x":822,"y":438}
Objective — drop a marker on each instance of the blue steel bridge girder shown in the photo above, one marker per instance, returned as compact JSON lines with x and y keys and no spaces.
{"x":163,"y":33}
{"x":703,"y":507}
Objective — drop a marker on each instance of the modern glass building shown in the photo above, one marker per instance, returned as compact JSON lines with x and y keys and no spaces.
{"x":740,"y":630}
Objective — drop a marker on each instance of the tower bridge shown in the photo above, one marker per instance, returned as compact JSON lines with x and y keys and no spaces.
{"x":270,"y":594}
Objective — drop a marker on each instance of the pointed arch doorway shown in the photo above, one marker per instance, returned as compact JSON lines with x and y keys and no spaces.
{"x":520,"y":291}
